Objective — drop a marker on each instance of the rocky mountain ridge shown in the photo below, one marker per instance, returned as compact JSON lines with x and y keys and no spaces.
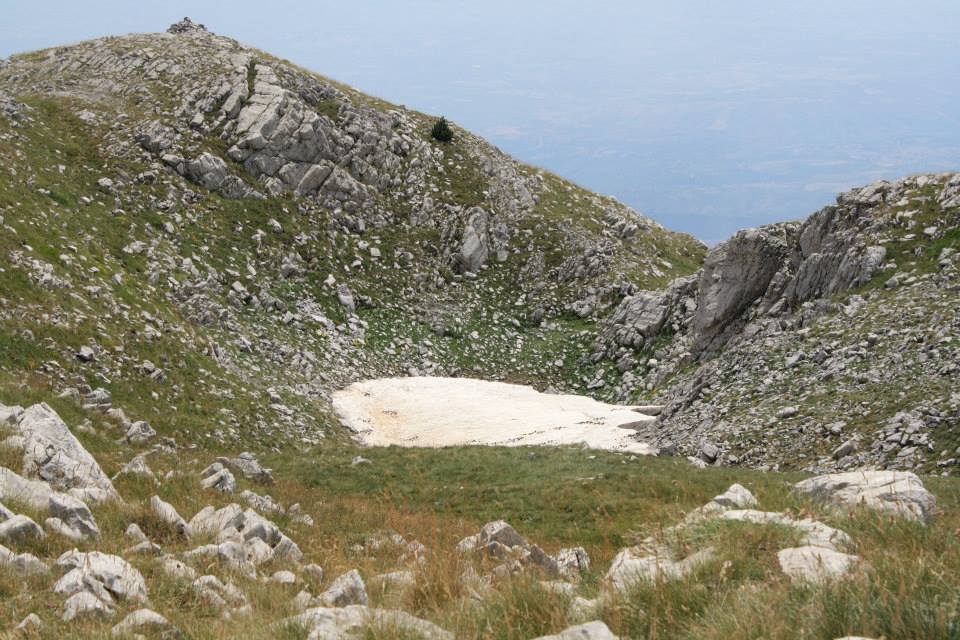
{"x":824,"y":344}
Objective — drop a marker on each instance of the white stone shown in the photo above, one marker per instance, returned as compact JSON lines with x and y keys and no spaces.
{"x":736,"y":497}
{"x":169,"y":516}
{"x":212,"y":521}
{"x":572,"y":563}
{"x":395,"y":580}
{"x":815,"y":533}
{"x":140,"y":432}
{"x":176,"y":569}
{"x":84,"y":603}
{"x":134,"y":532}
{"x":138,"y":621}
{"x":347,"y":589}
{"x":30,"y":624}
{"x":500,"y":531}
{"x":115,"y":574}
{"x":221,"y":480}
{"x":351,"y":621}
{"x":137,"y":467}
{"x":21,"y":564}
{"x":58,"y":527}
{"x":815,"y":564}
{"x":224,"y":596}
{"x":633,"y":565}
{"x":283,"y":577}
{"x":74,"y":513}
{"x":20,"y":528}
{"x":14,"y":488}
{"x":894,"y":492}
{"x":53,"y":454}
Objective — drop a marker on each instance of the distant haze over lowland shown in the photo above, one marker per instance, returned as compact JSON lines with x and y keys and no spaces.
{"x":707,"y":116}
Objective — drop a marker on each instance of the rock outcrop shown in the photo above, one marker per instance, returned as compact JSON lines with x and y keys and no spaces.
{"x":892,"y":492}
{"x":52,"y":453}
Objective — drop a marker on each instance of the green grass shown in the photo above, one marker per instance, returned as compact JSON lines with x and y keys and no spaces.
{"x":330,"y":108}
{"x":591,"y":498}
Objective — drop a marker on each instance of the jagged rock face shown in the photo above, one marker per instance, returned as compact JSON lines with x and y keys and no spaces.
{"x":267,"y":116}
{"x":775,"y":311}
{"x":734,"y":275}
{"x":371,"y":228}
{"x":776,"y":268}
{"x":783,"y":266}
{"x":372,"y":232}
{"x":831,"y":254}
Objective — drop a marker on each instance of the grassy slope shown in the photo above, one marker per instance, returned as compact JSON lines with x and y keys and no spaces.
{"x":555,"y":497}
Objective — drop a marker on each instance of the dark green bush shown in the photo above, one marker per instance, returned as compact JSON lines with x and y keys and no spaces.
{"x":442,"y":131}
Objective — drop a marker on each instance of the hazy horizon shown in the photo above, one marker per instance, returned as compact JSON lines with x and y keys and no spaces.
{"x":707,"y":118}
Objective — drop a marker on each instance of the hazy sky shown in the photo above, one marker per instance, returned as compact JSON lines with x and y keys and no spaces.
{"x":707,"y":115}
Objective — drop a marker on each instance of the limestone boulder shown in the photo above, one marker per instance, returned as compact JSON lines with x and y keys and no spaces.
{"x":899,"y":493}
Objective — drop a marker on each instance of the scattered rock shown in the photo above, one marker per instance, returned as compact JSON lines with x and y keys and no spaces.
{"x":140,"y":432}
{"x":632,"y":565}
{"x":30,"y":624}
{"x":219,"y":478}
{"x":736,"y":497}
{"x":137,"y":467}
{"x":283,"y":577}
{"x":225,"y":597}
{"x":168,"y":515}
{"x":103,"y":575}
{"x":73,"y":513}
{"x":246,"y":464}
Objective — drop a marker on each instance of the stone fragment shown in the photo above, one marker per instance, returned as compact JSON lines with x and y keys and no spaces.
{"x":345,"y":590}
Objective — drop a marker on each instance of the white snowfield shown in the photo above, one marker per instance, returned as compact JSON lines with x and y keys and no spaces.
{"x":443,"y":412}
